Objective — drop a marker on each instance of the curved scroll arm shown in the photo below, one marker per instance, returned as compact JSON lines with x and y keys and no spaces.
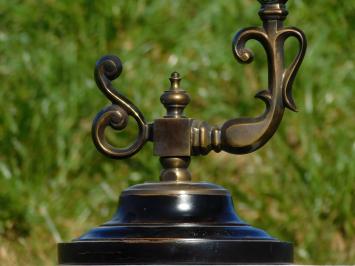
{"x":109,"y":68}
{"x":291,"y":71}
{"x":245,"y":135}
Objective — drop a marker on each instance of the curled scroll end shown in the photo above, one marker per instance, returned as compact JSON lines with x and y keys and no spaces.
{"x":291,"y":72}
{"x":243,"y":55}
{"x":241,"y":52}
{"x":265,"y":96}
{"x":288,"y":101}
{"x":118,"y":118}
{"x":110,"y":66}
{"x":115,"y":116}
{"x":112,"y":116}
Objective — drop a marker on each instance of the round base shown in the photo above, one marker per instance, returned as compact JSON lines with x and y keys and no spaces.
{"x":175,"y":223}
{"x":176,"y":251}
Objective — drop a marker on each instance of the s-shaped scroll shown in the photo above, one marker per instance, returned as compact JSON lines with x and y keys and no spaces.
{"x":245,"y":135}
{"x":116,"y":115}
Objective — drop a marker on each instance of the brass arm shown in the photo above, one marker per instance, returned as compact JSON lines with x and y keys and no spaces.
{"x":245,"y":135}
{"x":116,"y":115}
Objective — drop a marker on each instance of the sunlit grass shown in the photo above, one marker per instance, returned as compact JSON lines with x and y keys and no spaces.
{"x":54,"y":185}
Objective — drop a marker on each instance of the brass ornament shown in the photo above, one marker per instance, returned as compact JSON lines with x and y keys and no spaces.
{"x":177,"y":221}
{"x":175,"y":137}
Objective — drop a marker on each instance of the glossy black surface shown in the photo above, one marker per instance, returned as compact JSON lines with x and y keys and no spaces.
{"x":187,"y":223}
{"x":177,"y":231}
{"x":175,"y":251}
{"x":175,"y":209}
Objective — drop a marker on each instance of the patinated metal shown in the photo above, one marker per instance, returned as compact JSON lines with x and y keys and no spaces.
{"x":181,"y":137}
{"x":177,"y":221}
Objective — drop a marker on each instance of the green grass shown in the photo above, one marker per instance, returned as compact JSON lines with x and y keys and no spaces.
{"x":54,"y":185}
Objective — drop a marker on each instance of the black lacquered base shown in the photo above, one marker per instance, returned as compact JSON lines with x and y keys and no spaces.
{"x":175,"y":223}
{"x":176,"y":251}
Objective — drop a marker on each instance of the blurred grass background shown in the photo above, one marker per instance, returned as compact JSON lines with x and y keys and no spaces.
{"x":54,"y":185}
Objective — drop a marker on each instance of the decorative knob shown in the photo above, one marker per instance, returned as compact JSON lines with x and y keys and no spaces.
{"x":175,"y":99}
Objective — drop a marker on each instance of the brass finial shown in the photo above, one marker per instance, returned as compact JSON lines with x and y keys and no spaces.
{"x":175,"y":99}
{"x":175,"y":80}
{"x":172,"y":133}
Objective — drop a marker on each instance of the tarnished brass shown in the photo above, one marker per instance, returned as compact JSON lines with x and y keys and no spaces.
{"x":244,"y":135}
{"x":176,"y":137}
{"x":107,"y":69}
{"x":177,"y":221}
